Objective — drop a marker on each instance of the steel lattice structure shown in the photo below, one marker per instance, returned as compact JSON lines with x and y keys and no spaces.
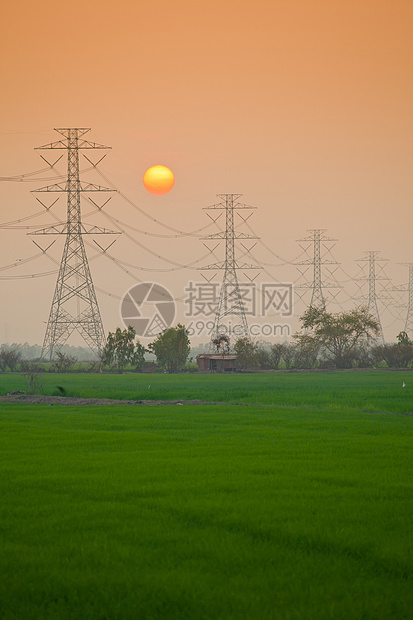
{"x":74,"y":305}
{"x":408,"y":327}
{"x":230,"y":299}
{"x":317,"y":238}
{"x":372,"y":257}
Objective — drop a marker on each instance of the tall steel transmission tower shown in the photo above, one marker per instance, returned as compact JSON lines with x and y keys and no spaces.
{"x":74,"y":305}
{"x":318,"y":240}
{"x":230,"y":302}
{"x":372,"y":307}
{"x":408,"y":327}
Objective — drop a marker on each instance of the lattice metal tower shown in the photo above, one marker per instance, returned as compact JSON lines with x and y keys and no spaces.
{"x":372,"y":307}
{"x":74,"y":305}
{"x":318,"y":239}
{"x":408,"y":327}
{"x":230,"y":300}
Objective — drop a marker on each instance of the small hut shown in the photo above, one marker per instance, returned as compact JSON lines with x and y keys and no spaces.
{"x":215,"y":362}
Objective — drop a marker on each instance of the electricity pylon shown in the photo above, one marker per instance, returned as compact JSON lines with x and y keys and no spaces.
{"x":74,"y":305}
{"x":408,"y":327}
{"x":372,"y":307}
{"x":318,"y":239}
{"x":230,"y":299}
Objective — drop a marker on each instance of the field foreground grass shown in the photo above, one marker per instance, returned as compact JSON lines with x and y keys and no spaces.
{"x":204,"y":512}
{"x":370,"y":390}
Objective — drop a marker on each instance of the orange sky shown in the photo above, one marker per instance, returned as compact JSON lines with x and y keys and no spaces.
{"x":304,"y":107}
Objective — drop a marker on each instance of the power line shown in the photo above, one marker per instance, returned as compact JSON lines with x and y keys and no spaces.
{"x":177,"y":265}
{"x":22,"y":219}
{"x":153,"y":219}
{"x":30,"y":275}
{"x":284,"y":261}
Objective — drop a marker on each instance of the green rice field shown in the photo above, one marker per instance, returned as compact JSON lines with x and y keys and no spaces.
{"x":297,"y":509}
{"x":372,"y":390}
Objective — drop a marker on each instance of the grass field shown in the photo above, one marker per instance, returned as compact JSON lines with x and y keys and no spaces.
{"x":297,"y":510}
{"x":374,"y":390}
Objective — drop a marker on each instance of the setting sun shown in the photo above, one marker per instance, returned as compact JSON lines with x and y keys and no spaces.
{"x":158,"y":180}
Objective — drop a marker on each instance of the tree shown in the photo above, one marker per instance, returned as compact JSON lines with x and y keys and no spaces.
{"x":288,"y":354}
{"x":247,"y":354}
{"x":399,"y":355}
{"x":32,"y":372}
{"x":264,"y":357}
{"x":340,"y":334}
{"x":121,"y":350}
{"x":10,"y":357}
{"x":221,"y":343}
{"x":276,"y":352}
{"x":64,"y":361}
{"x":403,"y":338}
{"x":306,"y":351}
{"x":172,"y":348}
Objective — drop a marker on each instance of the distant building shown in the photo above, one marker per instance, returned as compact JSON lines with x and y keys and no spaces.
{"x":217,"y":363}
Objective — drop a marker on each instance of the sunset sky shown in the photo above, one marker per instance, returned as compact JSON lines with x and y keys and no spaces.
{"x":304,"y":107}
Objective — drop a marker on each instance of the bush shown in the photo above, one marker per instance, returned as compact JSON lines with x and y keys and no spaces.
{"x":395,"y":355}
{"x":247,"y":354}
{"x":64,"y":362}
{"x":9,"y":358}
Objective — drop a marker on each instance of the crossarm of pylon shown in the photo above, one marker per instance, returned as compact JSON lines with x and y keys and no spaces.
{"x":56,"y":187}
{"x":222,"y":235}
{"x":59,"y":229}
{"x":218,"y":235}
{"x":91,"y":187}
{"x":223,"y":266}
{"x":86,"y":144}
{"x":322,"y":262}
{"x":220,"y":205}
{"x":59,"y":144}
{"x":98,"y":230}
{"x":83,"y":187}
{"x":212,"y":266}
{"x":245,"y":266}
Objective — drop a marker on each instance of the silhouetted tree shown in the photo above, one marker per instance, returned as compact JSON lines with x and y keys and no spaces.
{"x":247,"y":355}
{"x":340,"y":334}
{"x":10,"y":357}
{"x":122,"y":350}
{"x":172,"y":348}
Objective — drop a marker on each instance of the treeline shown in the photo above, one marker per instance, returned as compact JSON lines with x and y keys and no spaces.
{"x":295,"y":356}
{"x":33,"y":351}
{"x":326,"y":341}
{"x":122,"y":350}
